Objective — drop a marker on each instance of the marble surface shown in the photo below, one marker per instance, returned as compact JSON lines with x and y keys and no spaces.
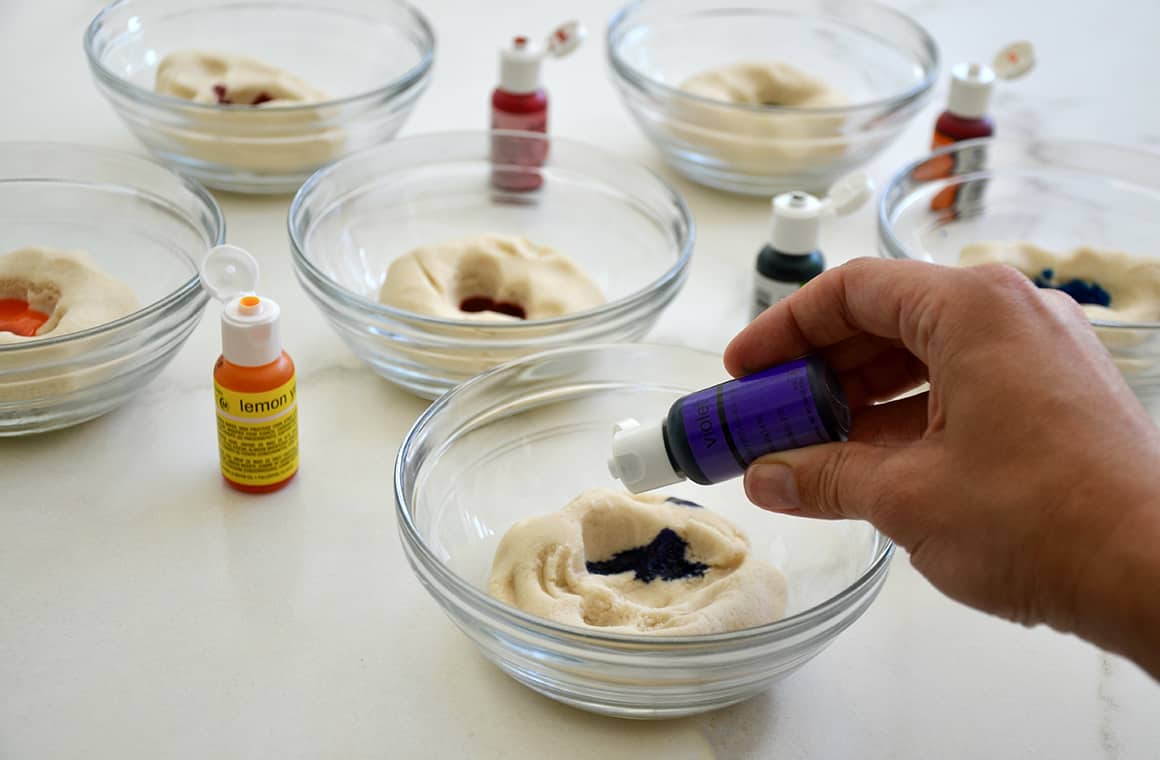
{"x":146,"y":611}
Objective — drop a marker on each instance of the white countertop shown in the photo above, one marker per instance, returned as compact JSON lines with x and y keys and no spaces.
{"x":147,"y":611}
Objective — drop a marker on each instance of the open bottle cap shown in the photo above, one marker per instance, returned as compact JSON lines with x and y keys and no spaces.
{"x":565,"y":38}
{"x":251,"y":332}
{"x":796,"y":221}
{"x":1014,"y":61}
{"x":519,"y":63}
{"x":228,"y":272}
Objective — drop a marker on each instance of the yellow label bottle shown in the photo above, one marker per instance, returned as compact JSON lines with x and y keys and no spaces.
{"x":254,"y":386}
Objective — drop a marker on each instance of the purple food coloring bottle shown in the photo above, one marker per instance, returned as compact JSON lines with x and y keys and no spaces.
{"x":712,"y":435}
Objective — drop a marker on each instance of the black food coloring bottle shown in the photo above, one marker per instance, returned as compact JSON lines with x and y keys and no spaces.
{"x":792,"y":257}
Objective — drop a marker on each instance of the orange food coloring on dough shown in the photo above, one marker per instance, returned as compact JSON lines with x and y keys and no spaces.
{"x":17,"y":318}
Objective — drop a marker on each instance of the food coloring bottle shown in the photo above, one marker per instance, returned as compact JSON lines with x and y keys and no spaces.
{"x":254,"y":384}
{"x":966,"y":116}
{"x":791,"y":258}
{"x":520,"y":103}
{"x":712,"y":435}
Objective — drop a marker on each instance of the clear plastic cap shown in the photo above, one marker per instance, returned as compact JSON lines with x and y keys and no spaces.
{"x":251,"y":333}
{"x":228,"y":272}
{"x":796,"y":221}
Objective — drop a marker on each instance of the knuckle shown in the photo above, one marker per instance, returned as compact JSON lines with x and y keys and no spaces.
{"x":1004,"y":282}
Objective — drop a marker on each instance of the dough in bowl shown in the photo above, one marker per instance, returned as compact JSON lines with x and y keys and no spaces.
{"x":489,"y":278}
{"x":639,"y":564}
{"x":1110,"y":286}
{"x":766,"y":141}
{"x":64,"y":286}
{"x":259,"y":134}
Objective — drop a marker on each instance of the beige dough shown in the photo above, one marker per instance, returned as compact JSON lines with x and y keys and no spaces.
{"x":540,"y":567}
{"x":1133,"y":282}
{"x":263,"y":136}
{"x":434,"y":280}
{"x":761,"y":141}
{"x":66,"y":286}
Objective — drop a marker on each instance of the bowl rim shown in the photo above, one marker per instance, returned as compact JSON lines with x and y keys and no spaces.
{"x":642,"y":81}
{"x":190,"y":287}
{"x":416,"y":75}
{"x":465,"y":592}
{"x":896,"y":250}
{"x":674,"y":273}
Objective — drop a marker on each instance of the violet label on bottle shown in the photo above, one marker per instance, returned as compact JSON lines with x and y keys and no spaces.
{"x":730,"y":425}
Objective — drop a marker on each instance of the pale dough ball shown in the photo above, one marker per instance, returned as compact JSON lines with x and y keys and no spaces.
{"x":763,"y":141}
{"x":261,"y":136}
{"x":563,"y":567}
{"x":66,"y":286}
{"x":513,"y":273}
{"x":1133,"y":282}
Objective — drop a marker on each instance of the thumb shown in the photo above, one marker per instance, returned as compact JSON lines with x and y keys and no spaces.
{"x":828,"y":480}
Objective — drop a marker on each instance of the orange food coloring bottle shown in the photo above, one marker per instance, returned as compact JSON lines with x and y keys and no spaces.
{"x":254,"y":383}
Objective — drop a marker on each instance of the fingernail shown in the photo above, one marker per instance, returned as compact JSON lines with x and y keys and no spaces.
{"x":772,"y":486}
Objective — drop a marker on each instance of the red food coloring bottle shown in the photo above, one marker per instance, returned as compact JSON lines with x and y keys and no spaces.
{"x":966,"y":116}
{"x":519,"y":103}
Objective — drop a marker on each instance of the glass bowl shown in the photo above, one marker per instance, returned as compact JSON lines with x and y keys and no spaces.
{"x":140,"y":223}
{"x":1054,"y":193}
{"x":629,"y":231}
{"x":882,"y":61}
{"x":526,"y":438}
{"x":373,"y":57}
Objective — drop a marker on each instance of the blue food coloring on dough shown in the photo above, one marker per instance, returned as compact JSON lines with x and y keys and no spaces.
{"x":1081,"y":291}
{"x":663,"y":557}
{"x":682,"y":502}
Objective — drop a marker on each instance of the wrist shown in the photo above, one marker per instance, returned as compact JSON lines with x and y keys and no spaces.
{"x":1114,"y":602}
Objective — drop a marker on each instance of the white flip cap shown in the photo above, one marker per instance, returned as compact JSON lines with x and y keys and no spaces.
{"x":639,"y":459}
{"x":1014,"y":61}
{"x":973,"y":83}
{"x":971,"y":88}
{"x":251,"y":335}
{"x":519,"y":64}
{"x":796,"y":221}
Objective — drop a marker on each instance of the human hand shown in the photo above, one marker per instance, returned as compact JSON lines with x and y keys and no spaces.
{"x":1025,"y":482}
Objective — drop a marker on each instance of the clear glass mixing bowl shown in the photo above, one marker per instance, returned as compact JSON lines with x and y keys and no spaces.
{"x":626,"y":229}
{"x":525,"y":439}
{"x":1057,"y":194}
{"x":373,"y":57}
{"x":883,"y":62}
{"x":142,"y":224}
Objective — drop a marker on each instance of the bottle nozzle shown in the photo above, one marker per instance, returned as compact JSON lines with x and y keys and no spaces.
{"x":797,"y":215}
{"x":639,"y":458}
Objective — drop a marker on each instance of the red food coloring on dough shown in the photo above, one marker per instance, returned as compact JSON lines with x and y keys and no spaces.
{"x":483,"y":303}
{"x":220,"y":91}
{"x":18,"y":319}
{"x":262,"y":97}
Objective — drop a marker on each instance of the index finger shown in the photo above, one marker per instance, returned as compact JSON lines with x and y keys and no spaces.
{"x":880,"y":297}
